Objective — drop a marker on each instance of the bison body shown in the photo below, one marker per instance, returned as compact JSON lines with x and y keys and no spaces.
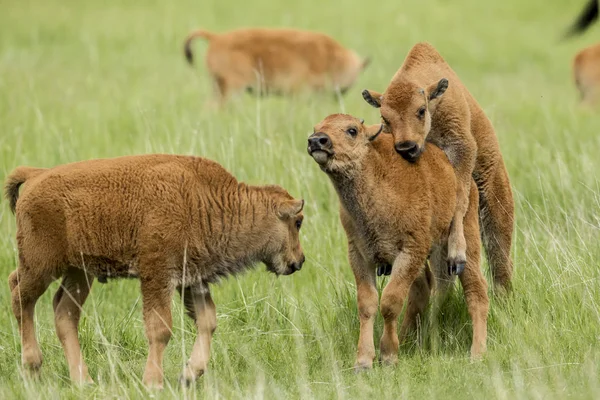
{"x":427,"y":102}
{"x":174,"y":222}
{"x":280,"y":61}
{"x":398,"y":213}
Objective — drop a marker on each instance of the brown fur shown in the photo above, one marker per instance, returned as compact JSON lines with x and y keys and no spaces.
{"x":277,"y":61}
{"x":175,"y":222}
{"x":426,"y":101}
{"x":398,"y":213}
{"x":586,"y":72}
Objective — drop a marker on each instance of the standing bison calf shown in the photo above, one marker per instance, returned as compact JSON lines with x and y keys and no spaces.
{"x":397,"y":213}
{"x":277,"y":61}
{"x":174,"y":222}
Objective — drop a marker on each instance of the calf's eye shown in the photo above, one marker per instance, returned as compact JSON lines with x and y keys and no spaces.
{"x":352,"y":131}
{"x":298,"y":224}
{"x":421,"y":112}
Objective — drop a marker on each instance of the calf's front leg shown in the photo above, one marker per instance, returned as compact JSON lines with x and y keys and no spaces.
{"x":367,"y":298}
{"x":462,"y":155}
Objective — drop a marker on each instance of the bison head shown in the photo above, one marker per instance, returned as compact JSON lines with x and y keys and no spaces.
{"x":285,"y":255}
{"x":406,"y":110}
{"x":340,"y":141}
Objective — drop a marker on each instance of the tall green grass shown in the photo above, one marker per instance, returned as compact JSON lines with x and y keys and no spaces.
{"x":93,"y":79}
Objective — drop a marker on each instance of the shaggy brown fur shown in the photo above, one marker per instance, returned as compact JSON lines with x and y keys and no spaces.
{"x":426,"y":101}
{"x":397,"y":213}
{"x":174,"y":222}
{"x":276,"y":60}
{"x":586,"y":72}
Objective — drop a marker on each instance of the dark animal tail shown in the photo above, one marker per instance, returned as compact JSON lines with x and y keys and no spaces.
{"x":587,"y":17}
{"x":187,"y":47}
{"x":15,"y":180}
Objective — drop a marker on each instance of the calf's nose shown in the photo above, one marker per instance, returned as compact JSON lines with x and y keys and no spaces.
{"x":319,"y":140}
{"x":406,"y":147}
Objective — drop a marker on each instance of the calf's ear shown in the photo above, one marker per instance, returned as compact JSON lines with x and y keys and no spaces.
{"x":435,"y":92}
{"x":290,"y":208}
{"x":373,"y":98}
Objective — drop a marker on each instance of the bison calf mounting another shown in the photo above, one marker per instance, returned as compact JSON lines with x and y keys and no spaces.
{"x":426,"y":101}
{"x":397,"y":213}
{"x":174,"y":222}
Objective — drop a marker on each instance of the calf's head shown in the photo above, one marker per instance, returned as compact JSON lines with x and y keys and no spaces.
{"x":406,"y":111}
{"x":340,"y":142}
{"x":285,"y":255}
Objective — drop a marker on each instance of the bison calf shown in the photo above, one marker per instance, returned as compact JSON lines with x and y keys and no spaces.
{"x":276,"y":61}
{"x":426,"y":101}
{"x":174,"y":222}
{"x":397,"y":213}
{"x":586,"y":72}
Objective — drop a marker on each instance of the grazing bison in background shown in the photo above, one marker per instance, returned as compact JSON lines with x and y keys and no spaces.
{"x":174,"y":222}
{"x":426,"y":102}
{"x":278,"y":61}
{"x":398,"y":213}
{"x":586,"y":73}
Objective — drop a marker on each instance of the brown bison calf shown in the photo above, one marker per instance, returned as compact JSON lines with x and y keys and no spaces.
{"x":277,"y":61}
{"x":174,"y":222}
{"x":586,"y":71}
{"x":426,"y":101}
{"x":397,"y":213}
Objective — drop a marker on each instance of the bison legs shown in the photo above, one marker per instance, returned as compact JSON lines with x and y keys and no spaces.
{"x":405,"y":270}
{"x":464,"y":164}
{"x":26,"y":288}
{"x":156,"y":297}
{"x":473,"y":281}
{"x":418,"y":298}
{"x":367,"y":298}
{"x":205,"y":314}
{"x":496,"y":213}
{"x":67,"y":303}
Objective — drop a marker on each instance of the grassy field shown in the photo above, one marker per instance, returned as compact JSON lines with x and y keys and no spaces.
{"x":89,"y":79}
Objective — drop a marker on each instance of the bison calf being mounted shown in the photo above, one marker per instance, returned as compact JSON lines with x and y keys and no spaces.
{"x":397,"y":213}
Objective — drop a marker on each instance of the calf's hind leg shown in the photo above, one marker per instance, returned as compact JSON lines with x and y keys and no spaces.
{"x":496,"y":210}
{"x":201,"y":307}
{"x":473,"y":281}
{"x":26,"y":288}
{"x":405,"y":270}
{"x":418,"y":298}
{"x":67,"y":303}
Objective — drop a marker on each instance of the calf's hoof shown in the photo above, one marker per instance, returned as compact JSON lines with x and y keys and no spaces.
{"x":384,"y":269}
{"x":188,"y":377}
{"x":153,"y":382}
{"x":456,"y":266}
{"x":32,"y":362}
{"x":83,"y":381}
{"x":388,"y":360}
{"x":362,"y":366}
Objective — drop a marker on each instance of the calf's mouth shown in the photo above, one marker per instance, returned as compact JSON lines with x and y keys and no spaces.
{"x":320,"y":147}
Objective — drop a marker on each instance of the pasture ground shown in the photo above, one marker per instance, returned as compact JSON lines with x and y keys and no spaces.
{"x":89,"y":79}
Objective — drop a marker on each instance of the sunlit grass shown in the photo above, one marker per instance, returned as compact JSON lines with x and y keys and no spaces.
{"x":93,"y":79}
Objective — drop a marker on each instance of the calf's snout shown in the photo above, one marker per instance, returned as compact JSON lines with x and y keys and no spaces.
{"x":319,"y":141}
